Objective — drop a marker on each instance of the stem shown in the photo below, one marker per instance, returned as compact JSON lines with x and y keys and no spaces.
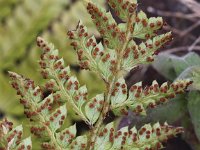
{"x":106,"y":106}
{"x":94,"y":132}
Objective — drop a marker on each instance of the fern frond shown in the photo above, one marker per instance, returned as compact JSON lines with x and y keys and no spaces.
{"x":147,"y":137}
{"x":11,"y":138}
{"x":92,"y":55}
{"x":106,"y":26}
{"x":145,"y":52}
{"x":54,"y":68}
{"x":145,"y":28}
{"x":40,"y":110}
{"x":139,"y":99}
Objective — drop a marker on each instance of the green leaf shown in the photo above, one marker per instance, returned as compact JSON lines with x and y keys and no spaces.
{"x":25,"y":144}
{"x":119,"y":138}
{"x":94,"y":107}
{"x":66,"y":136}
{"x":121,"y":110}
{"x":46,"y":122}
{"x":79,"y":143}
{"x":141,"y":99}
{"x":14,"y":136}
{"x":53,"y":67}
{"x":107,"y":64}
{"x":193,"y":107}
{"x":171,"y":111}
{"x":103,"y":139}
{"x":39,"y":130}
{"x":192,"y":73}
{"x":92,"y":55}
{"x":143,"y":53}
{"x":89,"y":52}
{"x":72,"y":85}
{"x":106,"y":25}
{"x":151,"y":136}
{"x":56,"y":119}
{"x":123,"y":9}
{"x":80,"y":96}
{"x":172,"y":66}
{"x":192,"y":58}
{"x":11,"y":138}
{"x":119,"y":93}
{"x":145,"y":28}
{"x":181,"y":63}
{"x":148,"y":136}
{"x":45,"y":104}
{"x":163,"y":64}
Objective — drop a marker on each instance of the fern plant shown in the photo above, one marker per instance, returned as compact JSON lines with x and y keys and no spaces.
{"x":110,"y":59}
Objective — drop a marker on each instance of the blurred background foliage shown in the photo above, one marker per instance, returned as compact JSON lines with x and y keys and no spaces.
{"x":21,"y":21}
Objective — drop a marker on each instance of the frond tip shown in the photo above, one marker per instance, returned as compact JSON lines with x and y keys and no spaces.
{"x":92,"y":55}
{"x":53,"y":67}
{"x":123,"y":8}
